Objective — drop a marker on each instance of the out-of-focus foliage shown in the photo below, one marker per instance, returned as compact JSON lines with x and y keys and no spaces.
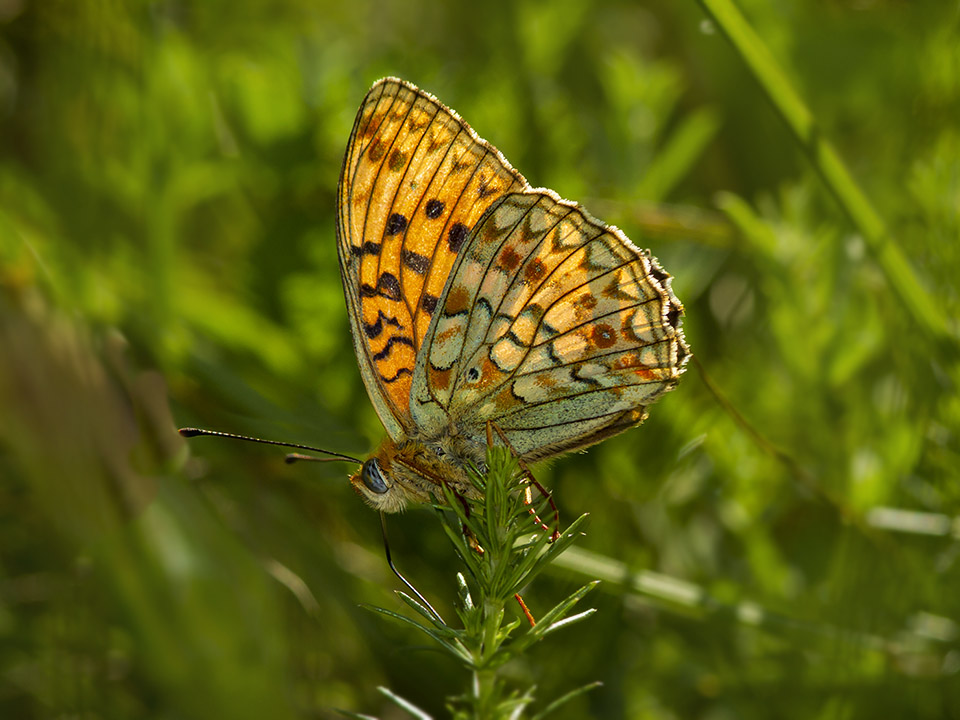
{"x":167,"y":198}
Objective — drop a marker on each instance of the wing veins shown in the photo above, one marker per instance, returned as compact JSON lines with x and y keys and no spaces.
{"x":527,"y":405}
{"x":447,"y":225}
{"x":376,"y":180}
{"x":571,"y":329}
{"x":493,"y":257}
{"x":489,"y":211}
{"x":393,"y":203}
{"x":533,"y":428}
{"x":539,"y":245}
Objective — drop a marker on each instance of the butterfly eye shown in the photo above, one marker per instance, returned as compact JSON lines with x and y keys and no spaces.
{"x":372,"y":477}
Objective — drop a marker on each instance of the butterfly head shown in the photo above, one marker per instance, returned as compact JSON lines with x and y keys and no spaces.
{"x":386,"y":483}
{"x":408,"y":472}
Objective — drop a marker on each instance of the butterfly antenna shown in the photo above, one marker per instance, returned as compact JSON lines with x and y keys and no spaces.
{"x":292,"y":457}
{"x":386,"y":547}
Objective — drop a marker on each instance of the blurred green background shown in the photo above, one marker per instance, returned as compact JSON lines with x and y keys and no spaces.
{"x":167,"y":257}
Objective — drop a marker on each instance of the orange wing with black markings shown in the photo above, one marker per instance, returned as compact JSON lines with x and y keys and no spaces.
{"x":415,"y":181}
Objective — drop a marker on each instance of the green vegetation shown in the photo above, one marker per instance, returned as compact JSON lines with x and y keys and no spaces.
{"x":780,"y":539}
{"x":503,"y":546}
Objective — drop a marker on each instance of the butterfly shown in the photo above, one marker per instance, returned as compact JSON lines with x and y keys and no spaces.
{"x":478,"y":300}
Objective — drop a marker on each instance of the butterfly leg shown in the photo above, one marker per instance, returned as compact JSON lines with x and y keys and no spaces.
{"x":467,"y":533}
{"x":531,"y":480}
{"x":471,"y":538}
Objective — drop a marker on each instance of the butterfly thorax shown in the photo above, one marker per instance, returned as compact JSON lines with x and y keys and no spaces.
{"x":415,"y":471}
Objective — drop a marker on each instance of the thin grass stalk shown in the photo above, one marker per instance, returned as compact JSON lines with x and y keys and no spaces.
{"x":826,"y":161}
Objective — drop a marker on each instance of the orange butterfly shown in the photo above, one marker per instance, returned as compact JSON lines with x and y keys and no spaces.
{"x":476,"y":299}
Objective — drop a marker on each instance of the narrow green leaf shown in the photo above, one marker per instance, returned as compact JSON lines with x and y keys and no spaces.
{"x":405,"y":704}
{"x":553,"y":617}
{"x":421,"y":610}
{"x":569,"y":620}
{"x":563,"y":699}
{"x":455,"y":647}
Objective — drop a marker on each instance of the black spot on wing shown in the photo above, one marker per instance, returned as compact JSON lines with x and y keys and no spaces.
{"x":416,"y":262}
{"x":457,"y":236}
{"x":397,"y":223}
{"x":367,"y":248}
{"x":395,"y":340}
{"x":434,"y":208}
{"x":400,"y":373}
{"x":429,"y":303}
{"x":388,"y":286}
{"x":372,"y":330}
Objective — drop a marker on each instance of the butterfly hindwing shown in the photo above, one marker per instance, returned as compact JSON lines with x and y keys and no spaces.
{"x":554,"y":326}
{"x":416,"y":179}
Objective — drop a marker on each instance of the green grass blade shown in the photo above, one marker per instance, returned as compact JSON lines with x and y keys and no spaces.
{"x":838,"y":180}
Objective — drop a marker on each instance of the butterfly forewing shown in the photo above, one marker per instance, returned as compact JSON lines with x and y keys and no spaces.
{"x":554,"y":326}
{"x":416,"y":180}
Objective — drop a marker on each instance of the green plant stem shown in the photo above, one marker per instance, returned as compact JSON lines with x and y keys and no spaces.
{"x":485,"y":682}
{"x":492,"y":610}
{"x":502,"y":549}
{"x":825,"y":160}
